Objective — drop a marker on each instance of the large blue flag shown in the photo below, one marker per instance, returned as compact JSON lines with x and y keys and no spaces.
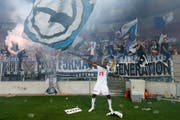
{"x":56,"y":23}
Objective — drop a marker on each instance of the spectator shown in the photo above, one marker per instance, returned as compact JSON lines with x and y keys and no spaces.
{"x":154,"y":48}
{"x":38,"y":55}
{"x":118,"y":36}
{"x":110,"y":49}
{"x":20,"y":55}
{"x":141,"y":55}
{"x":92,"y":50}
{"x":5,"y":52}
{"x":175,"y":50}
{"x":165,"y":49}
{"x":120,"y":49}
{"x":127,"y":93}
{"x":146,"y":94}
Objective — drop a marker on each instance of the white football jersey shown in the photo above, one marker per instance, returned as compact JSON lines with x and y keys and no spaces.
{"x":102,"y":75}
{"x":101,"y":84}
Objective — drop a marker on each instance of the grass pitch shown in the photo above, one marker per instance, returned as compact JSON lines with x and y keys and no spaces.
{"x":52,"y":108}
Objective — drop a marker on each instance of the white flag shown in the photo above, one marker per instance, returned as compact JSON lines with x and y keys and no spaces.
{"x":56,"y":23}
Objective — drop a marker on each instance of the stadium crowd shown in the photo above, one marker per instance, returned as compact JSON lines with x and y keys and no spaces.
{"x":118,"y":47}
{"x":112,"y":45}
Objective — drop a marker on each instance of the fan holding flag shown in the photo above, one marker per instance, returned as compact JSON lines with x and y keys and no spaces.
{"x":129,"y":34}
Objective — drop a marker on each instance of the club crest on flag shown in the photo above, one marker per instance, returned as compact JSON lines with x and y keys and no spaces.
{"x":56,"y":23}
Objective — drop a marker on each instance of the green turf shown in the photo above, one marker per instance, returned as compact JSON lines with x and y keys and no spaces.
{"x":52,"y":108}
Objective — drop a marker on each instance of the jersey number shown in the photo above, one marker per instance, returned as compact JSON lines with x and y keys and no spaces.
{"x":101,"y":73}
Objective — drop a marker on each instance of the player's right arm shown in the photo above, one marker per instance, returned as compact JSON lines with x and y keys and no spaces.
{"x":95,"y":64}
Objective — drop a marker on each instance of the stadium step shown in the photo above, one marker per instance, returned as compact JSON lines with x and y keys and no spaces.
{"x":117,"y":93}
{"x":116,"y":86}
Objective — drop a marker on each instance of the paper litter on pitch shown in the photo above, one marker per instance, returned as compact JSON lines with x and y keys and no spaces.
{"x":73,"y":110}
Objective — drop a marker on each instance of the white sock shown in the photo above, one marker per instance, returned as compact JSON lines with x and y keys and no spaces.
{"x":93,"y":102}
{"x":110,"y":103}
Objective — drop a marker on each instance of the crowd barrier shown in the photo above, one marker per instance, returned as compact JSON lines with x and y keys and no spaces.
{"x":76,"y":68}
{"x":30,"y":69}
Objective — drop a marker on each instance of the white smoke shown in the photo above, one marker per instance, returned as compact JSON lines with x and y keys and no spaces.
{"x":20,"y":9}
{"x":15,"y":38}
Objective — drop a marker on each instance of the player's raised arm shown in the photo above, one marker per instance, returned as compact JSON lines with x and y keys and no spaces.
{"x":95,"y":64}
